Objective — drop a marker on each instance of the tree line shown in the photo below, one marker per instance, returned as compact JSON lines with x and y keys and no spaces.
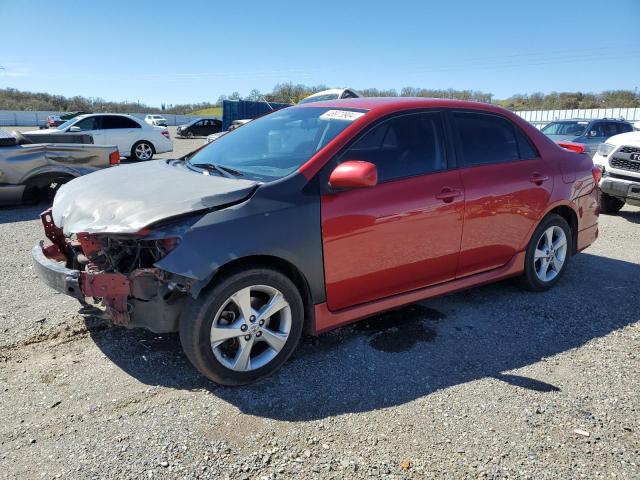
{"x":13,"y":99}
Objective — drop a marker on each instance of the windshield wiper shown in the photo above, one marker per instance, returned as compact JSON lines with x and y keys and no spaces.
{"x":221,"y":169}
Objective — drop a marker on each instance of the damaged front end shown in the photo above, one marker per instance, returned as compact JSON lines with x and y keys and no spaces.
{"x":117,"y":271}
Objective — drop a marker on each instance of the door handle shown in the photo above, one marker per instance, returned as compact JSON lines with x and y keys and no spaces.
{"x":538,"y":178}
{"x":448,"y":194}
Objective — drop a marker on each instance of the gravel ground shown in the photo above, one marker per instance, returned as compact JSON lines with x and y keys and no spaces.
{"x":489,"y":383}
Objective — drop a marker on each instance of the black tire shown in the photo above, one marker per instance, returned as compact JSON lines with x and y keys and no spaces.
{"x":44,"y":188}
{"x":135,"y":153}
{"x":197,"y":319}
{"x":529,"y":279}
{"x":189,"y":135}
{"x":609,"y":204}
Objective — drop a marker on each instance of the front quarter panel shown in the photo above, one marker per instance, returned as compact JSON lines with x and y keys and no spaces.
{"x":282,"y":219}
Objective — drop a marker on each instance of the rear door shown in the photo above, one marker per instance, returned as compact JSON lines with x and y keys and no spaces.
{"x":405,"y":232}
{"x":121,"y":131}
{"x":507,"y":187}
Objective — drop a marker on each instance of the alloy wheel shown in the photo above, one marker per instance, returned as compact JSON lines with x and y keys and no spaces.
{"x":550,"y":253}
{"x":144,"y":151}
{"x":251,"y":328}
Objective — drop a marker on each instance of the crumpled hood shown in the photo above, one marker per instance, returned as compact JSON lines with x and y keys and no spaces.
{"x":127,"y":198}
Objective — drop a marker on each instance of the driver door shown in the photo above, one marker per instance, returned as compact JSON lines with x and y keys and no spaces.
{"x":92,"y":126}
{"x":404,"y":233}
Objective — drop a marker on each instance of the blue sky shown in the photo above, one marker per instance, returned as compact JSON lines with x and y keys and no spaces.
{"x":191,"y":51}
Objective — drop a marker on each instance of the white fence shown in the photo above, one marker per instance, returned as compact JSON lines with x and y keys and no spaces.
{"x":37,"y":118}
{"x":541,"y":117}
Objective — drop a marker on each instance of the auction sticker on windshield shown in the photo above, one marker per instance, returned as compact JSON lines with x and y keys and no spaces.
{"x":346,"y":115}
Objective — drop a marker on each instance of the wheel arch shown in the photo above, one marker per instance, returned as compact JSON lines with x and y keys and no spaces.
{"x":566,"y":211}
{"x":49,"y":172}
{"x":142,"y":140}
{"x":281,"y":265}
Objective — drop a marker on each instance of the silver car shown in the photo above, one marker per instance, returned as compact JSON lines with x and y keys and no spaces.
{"x":32,"y":172}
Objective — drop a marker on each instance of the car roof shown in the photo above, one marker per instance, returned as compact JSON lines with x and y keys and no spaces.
{"x":590,"y":120}
{"x":393,"y":104}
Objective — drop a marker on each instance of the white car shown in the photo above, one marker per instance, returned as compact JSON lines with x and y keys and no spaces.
{"x":133,"y":137}
{"x":619,"y":159}
{"x":331,"y":94}
{"x":157,"y":120}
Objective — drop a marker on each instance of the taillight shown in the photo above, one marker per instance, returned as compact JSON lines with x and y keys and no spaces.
{"x":165,"y":133}
{"x":596,"y":171}
{"x":574,"y":147}
{"x":114,"y":158}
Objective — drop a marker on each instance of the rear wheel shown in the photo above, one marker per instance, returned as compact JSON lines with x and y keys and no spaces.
{"x":244,"y":327}
{"x":143,"y":150}
{"x":44,"y":188}
{"x":609,"y":204}
{"x":548,"y":254}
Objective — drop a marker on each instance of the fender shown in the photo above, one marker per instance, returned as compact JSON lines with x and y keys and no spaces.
{"x":553,"y":206}
{"x":281,"y":219}
{"x":56,"y":170}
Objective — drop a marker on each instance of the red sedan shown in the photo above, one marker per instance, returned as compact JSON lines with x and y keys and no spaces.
{"x":316,"y":216}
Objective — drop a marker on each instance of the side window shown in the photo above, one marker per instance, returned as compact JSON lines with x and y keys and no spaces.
{"x":624,"y":127}
{"x":403,"y":146}
{"x":596,"y":130}
{"x":610,"y":129}
{"x":526,"y":148}
{"x":486,"y":138}
{"x":87,"y":124}
{"x":114,"y":121}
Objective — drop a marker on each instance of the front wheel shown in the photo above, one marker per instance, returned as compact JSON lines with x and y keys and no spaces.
{"x":609,"y":204}
{"x":142,"y":151}
{"x":244,"y":327}
{"x":548,"y":254}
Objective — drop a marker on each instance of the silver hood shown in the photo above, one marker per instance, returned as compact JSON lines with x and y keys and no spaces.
{"x":127,"y":198}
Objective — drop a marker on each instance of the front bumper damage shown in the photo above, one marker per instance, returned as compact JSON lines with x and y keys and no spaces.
{"x":144,"y":297}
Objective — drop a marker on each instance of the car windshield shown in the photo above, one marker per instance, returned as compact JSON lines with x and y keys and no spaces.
{"x":565,"y":128}
{"x":277,"y":144}
{"x":320,"y":98}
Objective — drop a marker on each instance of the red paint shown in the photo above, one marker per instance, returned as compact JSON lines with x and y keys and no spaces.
{"x":354,"y":174}
{"x":394,"y":237}
{"x":406,"y":240}
{"x":52,"y":231}
{"x":326,"y":319}
{"x":503,"y":203}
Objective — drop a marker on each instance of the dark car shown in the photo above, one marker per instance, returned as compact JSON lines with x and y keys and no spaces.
{"x":54,"y":121}
{"x":591,"y":132}
{"x":318,"y":215}
{"x":200,"y":127}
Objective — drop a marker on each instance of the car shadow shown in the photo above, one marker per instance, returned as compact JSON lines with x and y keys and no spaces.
{"x":21,"y":213}
{"x":399,"y":356}
{"x":632,"y":216}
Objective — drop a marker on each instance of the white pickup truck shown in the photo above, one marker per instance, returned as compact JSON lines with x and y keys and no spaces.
{"x":619,"y":158}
